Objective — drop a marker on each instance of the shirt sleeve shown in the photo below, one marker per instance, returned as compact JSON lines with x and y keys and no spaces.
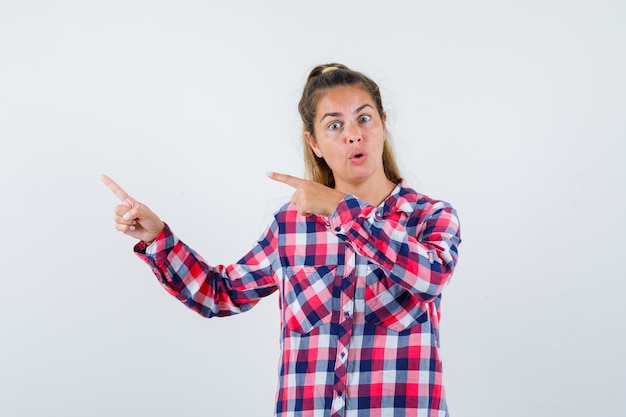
{"x":417,"y":251}
{"x":211,"y":290}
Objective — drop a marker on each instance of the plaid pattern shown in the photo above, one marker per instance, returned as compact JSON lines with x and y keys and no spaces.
{"x":359,"y":296}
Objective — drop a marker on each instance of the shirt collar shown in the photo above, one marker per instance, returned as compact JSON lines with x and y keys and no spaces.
{"x":401,"y":199}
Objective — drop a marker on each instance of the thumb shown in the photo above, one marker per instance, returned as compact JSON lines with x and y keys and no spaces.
{"x":133,"y":213}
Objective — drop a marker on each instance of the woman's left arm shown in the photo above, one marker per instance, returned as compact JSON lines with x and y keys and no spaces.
{"x":417,"y":248}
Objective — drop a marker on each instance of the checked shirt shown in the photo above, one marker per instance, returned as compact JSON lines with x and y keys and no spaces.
{"x":359,"y":295}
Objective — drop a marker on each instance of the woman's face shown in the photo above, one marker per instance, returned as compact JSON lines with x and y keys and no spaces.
{"x":349,"y":135}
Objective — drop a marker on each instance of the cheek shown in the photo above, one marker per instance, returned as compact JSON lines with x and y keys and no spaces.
{"x":327,"y":145}
{"x":335,"y":150}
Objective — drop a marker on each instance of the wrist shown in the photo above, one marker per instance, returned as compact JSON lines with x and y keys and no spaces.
{"x":150,"y":240}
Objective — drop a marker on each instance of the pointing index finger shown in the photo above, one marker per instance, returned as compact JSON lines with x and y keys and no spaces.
{"x":113,"y":186}
{"x":290,"y":180}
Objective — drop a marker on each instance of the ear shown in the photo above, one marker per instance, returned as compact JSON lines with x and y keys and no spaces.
{"x":313,"y":144}
{"x":383,"y":117}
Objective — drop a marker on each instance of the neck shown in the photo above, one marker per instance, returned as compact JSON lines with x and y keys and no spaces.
{"x":372,"y":194}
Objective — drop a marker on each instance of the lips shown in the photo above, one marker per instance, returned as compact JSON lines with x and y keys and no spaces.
{"x":358,"y":157}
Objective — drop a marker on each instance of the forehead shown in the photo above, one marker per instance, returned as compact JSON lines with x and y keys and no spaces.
{"x":343,"y":99}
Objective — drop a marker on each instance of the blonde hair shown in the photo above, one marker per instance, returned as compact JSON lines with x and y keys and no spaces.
{"x":321,"y":79}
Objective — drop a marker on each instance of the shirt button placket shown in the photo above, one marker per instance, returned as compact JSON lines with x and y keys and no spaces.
{"x":343,"y":345}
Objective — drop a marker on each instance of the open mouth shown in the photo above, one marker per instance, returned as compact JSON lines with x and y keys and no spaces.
{"x":357,"y":157}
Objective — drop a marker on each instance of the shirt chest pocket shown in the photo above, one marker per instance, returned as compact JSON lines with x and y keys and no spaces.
{"x":388,"y":304}
{"x":308,"y":297}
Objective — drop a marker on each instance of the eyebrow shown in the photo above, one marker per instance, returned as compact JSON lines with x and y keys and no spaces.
{"x":335,"y":114}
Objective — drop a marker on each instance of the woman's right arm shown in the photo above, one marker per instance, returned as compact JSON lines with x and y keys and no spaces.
{"x":211,"y":290}
{"x":208,"y":290}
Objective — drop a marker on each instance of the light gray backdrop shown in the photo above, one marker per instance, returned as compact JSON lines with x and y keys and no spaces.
{"x":511,"y":110}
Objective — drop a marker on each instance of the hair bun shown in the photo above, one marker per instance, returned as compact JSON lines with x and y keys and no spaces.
{"x":325,"y":69}
{"x":329,"y":69}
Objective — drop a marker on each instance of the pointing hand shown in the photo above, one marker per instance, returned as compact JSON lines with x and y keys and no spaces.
{"x":132,"y":217}
{"x":310,"y":197}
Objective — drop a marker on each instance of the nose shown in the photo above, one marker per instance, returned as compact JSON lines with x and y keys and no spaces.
{"x":353,"y":133}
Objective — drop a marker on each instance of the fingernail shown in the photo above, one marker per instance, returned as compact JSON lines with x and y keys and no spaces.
{"x":126,"y":216}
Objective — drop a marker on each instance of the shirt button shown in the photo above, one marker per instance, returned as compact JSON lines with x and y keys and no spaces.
{"x":346,"y":314}
{"x":340,"y":393}
{"x":343,"y":355}
{"x":338,"y":229}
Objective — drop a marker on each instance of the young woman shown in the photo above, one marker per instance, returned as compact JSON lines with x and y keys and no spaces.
{"x":358,"y":257}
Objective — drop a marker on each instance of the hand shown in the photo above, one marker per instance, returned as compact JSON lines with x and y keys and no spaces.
{"x":310,"y":197}
{"x":132,"y":217}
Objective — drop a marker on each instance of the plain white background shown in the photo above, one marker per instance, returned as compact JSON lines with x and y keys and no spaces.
{"x":511,"y":110}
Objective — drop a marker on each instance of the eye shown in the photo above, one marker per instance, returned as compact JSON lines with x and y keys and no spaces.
{"x":334,"y":126}
{"x":365,"y":118}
